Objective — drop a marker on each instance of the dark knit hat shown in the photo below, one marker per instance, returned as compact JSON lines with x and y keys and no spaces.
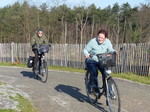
{"x":39,"y":30}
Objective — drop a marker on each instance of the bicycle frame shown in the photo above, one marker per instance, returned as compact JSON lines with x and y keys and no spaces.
{"x":41,"y":60}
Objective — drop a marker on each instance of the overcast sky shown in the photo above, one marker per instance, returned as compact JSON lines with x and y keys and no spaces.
{"x":71,"y":3}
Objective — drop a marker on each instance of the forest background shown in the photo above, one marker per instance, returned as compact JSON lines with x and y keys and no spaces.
{"x":76,"y":25}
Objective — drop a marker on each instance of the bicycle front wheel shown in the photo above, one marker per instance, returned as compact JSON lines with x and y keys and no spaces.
{"x":44,"y":72}
{"x":91,"y":96}
{"x":113,"y":97}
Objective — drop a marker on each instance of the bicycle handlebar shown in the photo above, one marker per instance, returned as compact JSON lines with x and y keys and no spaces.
{"x":104,"y":54}
{"x":44,"y":49}
{"x":106,"y":59}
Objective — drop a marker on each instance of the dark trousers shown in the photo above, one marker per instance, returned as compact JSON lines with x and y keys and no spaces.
{"x":36,"y":58}
{"x":93,"y":67}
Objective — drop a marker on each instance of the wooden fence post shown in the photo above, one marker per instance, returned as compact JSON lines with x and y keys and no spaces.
{"x":12,"y":52}
{"x":149,"y":67}
{"x":66,"y":54}
{"x":149,"y":62}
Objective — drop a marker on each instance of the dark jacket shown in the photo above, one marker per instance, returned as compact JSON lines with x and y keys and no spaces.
{"x":39,"y":40}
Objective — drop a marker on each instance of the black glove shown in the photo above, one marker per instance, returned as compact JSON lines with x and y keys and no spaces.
{"x":35,"y":46}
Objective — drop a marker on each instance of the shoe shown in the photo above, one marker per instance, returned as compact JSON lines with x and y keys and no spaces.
{"x":97,"y":92}
{"x":41,"y":74}
{"x":91,"y":88}
{"x":33,"y":69}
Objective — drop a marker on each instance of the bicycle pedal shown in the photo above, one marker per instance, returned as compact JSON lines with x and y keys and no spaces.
{"x":107,"y":102}
{"x":113,"y":97}
{"x":97,"y":95}
{"x":91,"y":91}
{"x":36,"y":77}
{"x":41,"y":75}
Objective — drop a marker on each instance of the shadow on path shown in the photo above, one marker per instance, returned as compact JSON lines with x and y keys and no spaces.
{"x":75,"y":93}
{"x":28,"y":74}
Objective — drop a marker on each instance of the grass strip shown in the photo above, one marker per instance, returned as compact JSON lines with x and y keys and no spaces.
{"x":133,"y":77}
{"x":8,"y":110}
{"x":2,"y":83}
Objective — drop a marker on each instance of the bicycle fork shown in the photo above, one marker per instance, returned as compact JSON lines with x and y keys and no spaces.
{"x":108,"y":93}
{"x":107,"y":74}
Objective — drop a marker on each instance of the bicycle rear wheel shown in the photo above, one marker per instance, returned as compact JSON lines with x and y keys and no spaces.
{"x":113,"y":97}
{"x":44,"y":72}
{"x":92,"y":97}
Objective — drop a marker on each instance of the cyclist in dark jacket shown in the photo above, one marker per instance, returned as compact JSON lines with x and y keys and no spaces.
{"x":38,"y":39}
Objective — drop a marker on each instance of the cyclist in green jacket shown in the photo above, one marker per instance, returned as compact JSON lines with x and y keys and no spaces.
{"x":37,"y":40}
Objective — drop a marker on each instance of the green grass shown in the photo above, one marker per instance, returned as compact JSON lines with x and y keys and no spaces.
{"x":24,"y":104}
{"x":128,"y":76}
{"x":69,"y":69}
{"x":13,"y":64}
{"x":2,"y":83}
{"x":8,"y":110}
{"x":133,"y":77}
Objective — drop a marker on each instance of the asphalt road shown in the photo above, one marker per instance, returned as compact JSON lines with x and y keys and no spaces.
{"x":65,"y":92}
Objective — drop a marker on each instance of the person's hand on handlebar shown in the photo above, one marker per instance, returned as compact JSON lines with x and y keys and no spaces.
{"x":87,"y":56}
{"x":35,"y":46}
{"x":49,"y":45}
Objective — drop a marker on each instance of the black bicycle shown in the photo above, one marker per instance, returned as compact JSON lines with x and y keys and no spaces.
{"x":42,"y":69}
{"x":109,"y":88}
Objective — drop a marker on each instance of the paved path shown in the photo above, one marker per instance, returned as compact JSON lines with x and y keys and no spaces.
{"x":65,"y":92}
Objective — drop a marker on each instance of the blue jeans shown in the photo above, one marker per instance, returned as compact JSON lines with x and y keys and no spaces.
{"x":93,"y":67}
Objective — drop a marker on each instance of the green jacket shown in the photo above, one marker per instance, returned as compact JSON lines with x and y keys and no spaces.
{"x":94,"y":47}
{"x":39,"y":40}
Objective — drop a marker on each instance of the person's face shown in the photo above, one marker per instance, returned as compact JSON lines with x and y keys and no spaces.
{"x":101,"y":38}
{"x":40,"y":33}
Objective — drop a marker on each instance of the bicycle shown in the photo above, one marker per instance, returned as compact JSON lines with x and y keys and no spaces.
{"x":109,"y":87}
{"x":42,"y":69}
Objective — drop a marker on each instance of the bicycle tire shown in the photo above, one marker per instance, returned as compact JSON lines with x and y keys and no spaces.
{"x":91,"y":96}
{"x":44,"y":72}
{"x":113,"y":96}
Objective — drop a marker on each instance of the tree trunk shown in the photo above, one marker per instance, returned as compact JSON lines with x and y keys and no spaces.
{"x":65,"y":32}
{"x":76,"y":31}
{"x":124,"y":33}
{"x":93,"y":23}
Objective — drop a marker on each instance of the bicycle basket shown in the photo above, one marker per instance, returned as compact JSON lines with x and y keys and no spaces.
{"x":107,"y":59}
{"x":30,"y":62}
{"x":44,"y":49}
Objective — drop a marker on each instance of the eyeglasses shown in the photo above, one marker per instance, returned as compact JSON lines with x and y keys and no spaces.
{"x":40,"y":33}
{"x":101,"y":38}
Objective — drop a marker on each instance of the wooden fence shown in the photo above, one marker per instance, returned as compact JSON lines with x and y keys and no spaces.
{"x":132,"y":58}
